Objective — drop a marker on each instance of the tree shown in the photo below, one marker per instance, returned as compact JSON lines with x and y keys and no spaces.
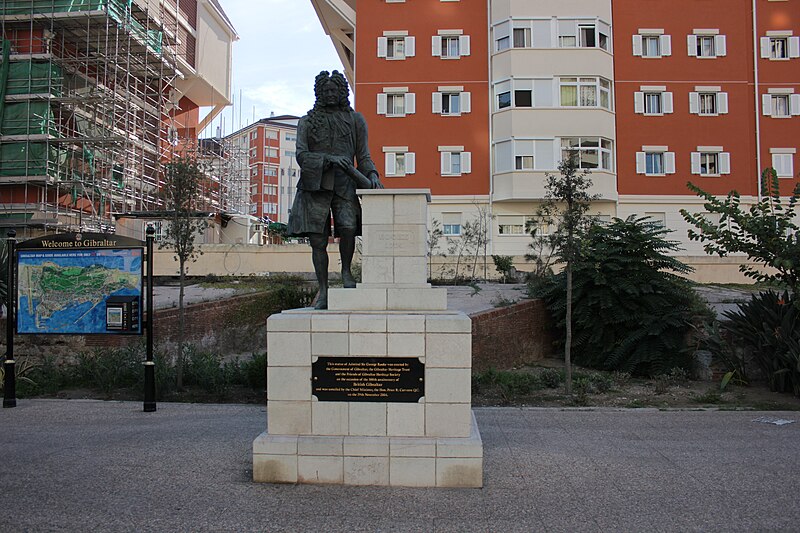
{"x":434,"y":235}
{"x":567,"y":200}
{"x":767,"y":233}
{"x":181,"y":195}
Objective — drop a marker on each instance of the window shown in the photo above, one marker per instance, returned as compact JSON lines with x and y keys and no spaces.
{"x":524,"y":155}
{"x":783,"y":161}
{"x":653,"y":100}
{"x":780,"y":45}
{"x":270,"y":134}
{"x":779,"y":48}
{"x":708,"y":101}
{"x":270,"y":171}
{"x":652,"y":44}
{"x":291,"y":137}
{"x":454,"y":161}
{"x":652,"y":103}
{"x":450,"y":44}
{"x":655,"y":161}
{"x":271,"y":152}
{"x":780,"y":103}
{"x":396,"y":45}
{"x":395,"y":102}
{"x":710,"y":161}
{"x":503,"y":94}
{"x":502,"y":43}
{"x":254,"y":171}
{"x":254,"y":189}
{"x":510,"y":225}
{"x":523,"y":98}
{"x":289,"y":153}
{"x":451,"y":224}
{"x":451,"y":101}
{"x":583,"y":92}
{"x":592,"y":152}
{"x":451,"y":104}
{"x":522,"y":37}
{"x":523,"y":162}
{"x":398,"y":161}
{"x":706,"y":43}
{"x":586,"y":33}
{"x":253,"y":134}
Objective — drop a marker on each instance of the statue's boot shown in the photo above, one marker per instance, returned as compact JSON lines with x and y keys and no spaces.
{"x":322,"y":299}
{"x":348,"y":280}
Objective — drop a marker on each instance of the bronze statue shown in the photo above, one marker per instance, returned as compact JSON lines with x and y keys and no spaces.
{"x":329,"y":138}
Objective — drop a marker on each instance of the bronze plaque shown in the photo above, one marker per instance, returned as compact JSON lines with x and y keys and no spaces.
{"x":368,"y":379}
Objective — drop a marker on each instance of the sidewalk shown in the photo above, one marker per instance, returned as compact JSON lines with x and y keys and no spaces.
{"x":107,"y":466}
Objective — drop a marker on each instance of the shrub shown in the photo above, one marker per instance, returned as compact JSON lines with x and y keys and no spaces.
{"x":109,"y":369}
{"x":254,"y":371}
{"x":631,"y":310}
{"x":551,"y":378}
{"x":205,"y":370}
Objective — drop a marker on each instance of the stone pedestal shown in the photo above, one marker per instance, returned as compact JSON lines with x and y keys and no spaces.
{"x":393,"y":315}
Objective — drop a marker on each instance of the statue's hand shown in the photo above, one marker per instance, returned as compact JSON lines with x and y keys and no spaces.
{"x":342,"y":161}
{"x":376,"y":182}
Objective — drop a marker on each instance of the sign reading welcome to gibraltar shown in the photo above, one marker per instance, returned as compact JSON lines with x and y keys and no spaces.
{"x":79,"y":284}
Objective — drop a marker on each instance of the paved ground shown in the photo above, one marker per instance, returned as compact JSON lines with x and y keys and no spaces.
{"x":106,"y":466}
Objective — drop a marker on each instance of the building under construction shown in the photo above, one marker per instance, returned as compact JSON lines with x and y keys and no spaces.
{"x":95,"y":95}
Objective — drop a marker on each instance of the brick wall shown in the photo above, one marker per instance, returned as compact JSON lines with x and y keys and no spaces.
{"x":510,"y":336}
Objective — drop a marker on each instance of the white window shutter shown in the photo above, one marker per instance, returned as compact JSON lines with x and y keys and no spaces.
{"x":724,"y":163}
{"x":666,"y":45}
{"x":695,"y":162}
{"x":669,"y":162}
{"x":382,"y":98}
{"x":466,"y":102}
{"x":794,"y":104}
{"x":637,"y":45}
{"x":794,"y":47}
{"x":437,"y":103}
{"x":666,"y":102}
{"x":765,"y":47}
{"x":411,"y":103}
{"x":691,"y":45}
{"x":638,"y":102}
{"x":463,"y":45}
{"x":411,"y":163}
{"x":383,"y":46}
{"x":694,"y":103}
{"x":641,"y":162}
{"x":766,"y":104}
{"x":722,"y":103}
{"x":436,"y":46}
{"x":720,"y":46}
{"x":391,"y":163}
{"x":466,"y":162}
{"x":445,"y":165}
{"x":410,"y":47}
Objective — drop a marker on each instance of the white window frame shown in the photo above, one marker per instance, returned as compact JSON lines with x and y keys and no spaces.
{"x":441,"y":49}
{"x":584,"y":82}
{"x":664,"y":43}
{"x":393,"y":156}
{"x":451,"y":228}
{"x":783,"y":161}
{"x":650,"y":94}
{"x":601,"y":150}
{"x":388,"y":45}
{"x":718,"y":45}
{"x":704,"y":155}
{"x":652,"y":153}
{"x":445,"y":94}
{"x":454,"y":161}
{"x":395,"y":95}
{"x":789,"y":44}
{"x":510,"y":225}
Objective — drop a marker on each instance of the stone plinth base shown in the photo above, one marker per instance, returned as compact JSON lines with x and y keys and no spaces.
{"x":362,"y":460}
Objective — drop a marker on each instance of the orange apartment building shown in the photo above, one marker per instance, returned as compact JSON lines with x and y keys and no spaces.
{"x":270,"y":173}
{"x":479,"y":99}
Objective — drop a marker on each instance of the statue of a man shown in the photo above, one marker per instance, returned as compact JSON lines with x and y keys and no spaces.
{"x":329,"y":138}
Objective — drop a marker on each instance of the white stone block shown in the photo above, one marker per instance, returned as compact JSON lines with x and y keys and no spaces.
{"x":378,"y":240}
{"x":289,"y":322}
{"x":325,"y":343}
{"x":358,"y":299}
{"x":410,"y":209}
{"x":329,"y":322}
{"x":366,"y":446}
{"x":427,"y":299}
{"x":320,"y":469}
{"x":448,"y":350}
{"x":402,"y":323}
{"x":368,"y":344}
{"x":448,"y":323}
{"x":405,"y":419}
{"x":459,"y":472}
{"x":366,"y":471}
{"x":406,"y":345}
{"x":368,"y":418}
{"x":267,"y":444}
{"x":412,"y":447}
{"x":447,"y":385}
{"x":289,"y":383}
{"x":465,"y":447}
{"x":319,"y":445}
{"x":377,"y":270}
{"x":411,"y":270}
{"x":274,"y":468}
{"x":412,"y":472}
{"x":448,"y":419}
{"x":289,"y":348}
{"x":362,"y":323}
{"x":288,"y":418}
{"x":329,"y":418}
{"x":399,"y":240}
{"x":377,"y":210}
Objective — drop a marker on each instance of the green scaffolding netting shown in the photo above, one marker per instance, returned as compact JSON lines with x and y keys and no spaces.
{"x":34,"y":77}
{"x":28,"y":118}
{"x":30,"y":159}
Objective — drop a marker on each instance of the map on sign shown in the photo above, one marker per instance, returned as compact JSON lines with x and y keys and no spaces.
{"x":68,"y":291}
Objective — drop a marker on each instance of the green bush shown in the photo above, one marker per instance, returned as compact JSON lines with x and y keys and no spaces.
{"x":254,"y":371}
{"x":631,"y":310}
{"x":768,"y":327}
{"x":205,"y":370}
{"x":109,"y":369}
{"x":551,"y":378}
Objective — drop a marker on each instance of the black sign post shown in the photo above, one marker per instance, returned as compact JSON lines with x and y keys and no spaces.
{"x":9,"y":365}
{"x":149,"y":364}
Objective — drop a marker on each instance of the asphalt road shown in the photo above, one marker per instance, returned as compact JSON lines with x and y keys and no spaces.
{"x":107,"y":466}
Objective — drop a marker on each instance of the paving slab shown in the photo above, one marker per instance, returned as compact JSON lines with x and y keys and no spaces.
{"x":71,"y":465}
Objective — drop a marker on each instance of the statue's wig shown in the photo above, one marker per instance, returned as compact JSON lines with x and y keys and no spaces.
{"x":341,"y":84}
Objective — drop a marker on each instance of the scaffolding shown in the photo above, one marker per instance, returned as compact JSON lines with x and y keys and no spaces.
{"x":85,"y":110}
